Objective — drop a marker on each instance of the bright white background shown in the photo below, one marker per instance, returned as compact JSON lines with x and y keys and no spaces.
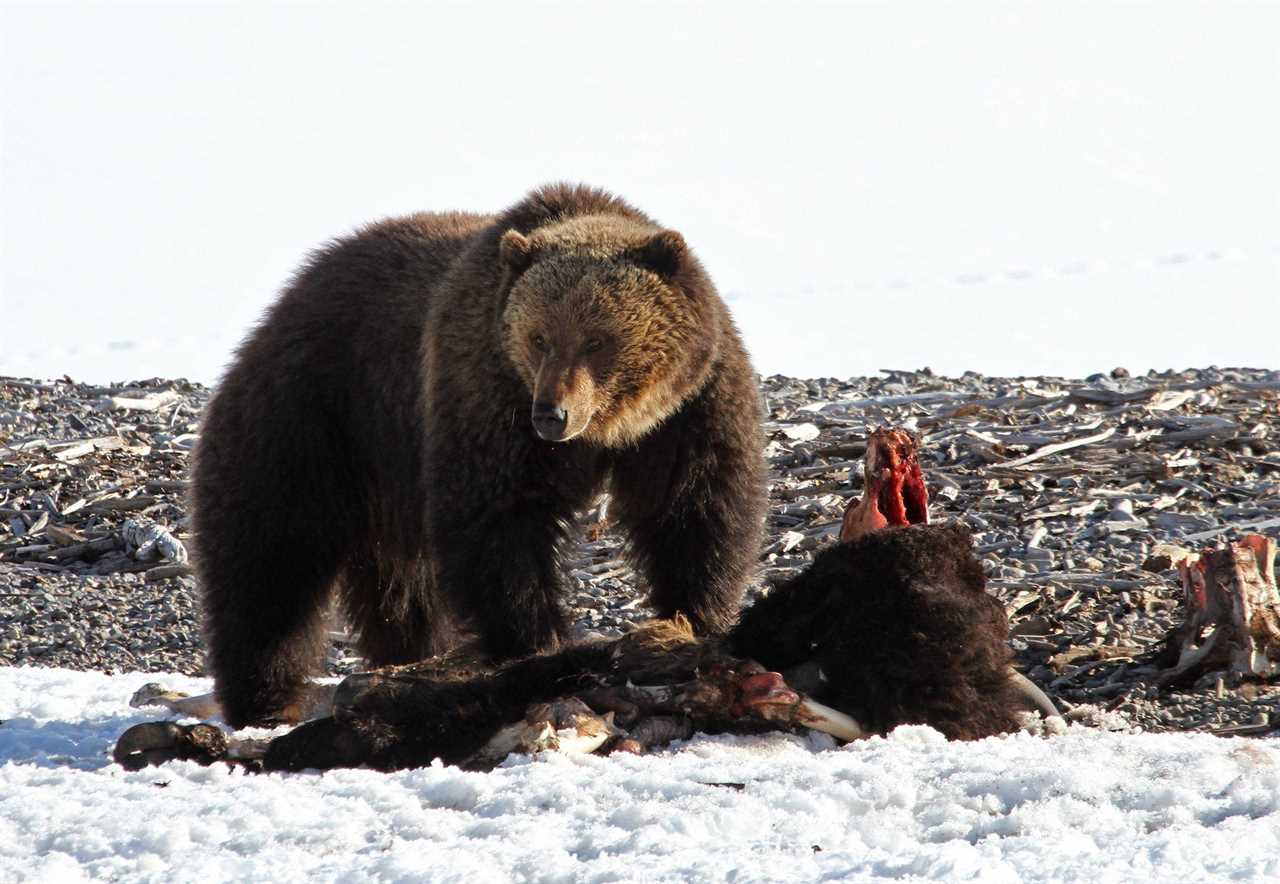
{"x":1007,"y":188}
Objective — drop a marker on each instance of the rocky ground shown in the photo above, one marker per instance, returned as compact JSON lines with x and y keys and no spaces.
{"x":1079,"y":493}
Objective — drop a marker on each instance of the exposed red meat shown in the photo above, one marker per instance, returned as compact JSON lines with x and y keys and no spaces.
{"x":895,"y":494}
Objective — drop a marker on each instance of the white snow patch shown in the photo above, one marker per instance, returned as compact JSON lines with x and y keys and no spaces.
{"x":1089,"y":805}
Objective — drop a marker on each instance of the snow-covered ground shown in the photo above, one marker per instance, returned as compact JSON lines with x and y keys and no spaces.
{"x":1013,"y":188}
{"x":1088,"y":806}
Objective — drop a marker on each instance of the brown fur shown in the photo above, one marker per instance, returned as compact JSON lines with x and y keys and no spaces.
{"x":901,"y":626}
{"x":373,"y":437}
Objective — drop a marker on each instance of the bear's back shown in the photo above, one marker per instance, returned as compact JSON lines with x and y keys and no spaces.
{"x":325,"y":386}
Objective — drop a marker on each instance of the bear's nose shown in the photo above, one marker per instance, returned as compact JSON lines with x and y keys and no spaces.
{"x":549,"y":420}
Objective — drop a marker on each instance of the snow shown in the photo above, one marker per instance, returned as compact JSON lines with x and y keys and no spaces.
{"x":1014,"y":189}
{"x":1089,"y":806}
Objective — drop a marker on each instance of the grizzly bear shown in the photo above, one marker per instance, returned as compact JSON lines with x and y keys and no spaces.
{"x":419,"y":416}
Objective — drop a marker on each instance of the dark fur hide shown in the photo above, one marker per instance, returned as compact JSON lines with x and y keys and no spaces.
{"x":898,"y":623}
{"x":902,"y":628}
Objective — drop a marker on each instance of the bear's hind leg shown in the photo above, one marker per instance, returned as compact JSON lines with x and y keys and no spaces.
{"x":264,"y":626}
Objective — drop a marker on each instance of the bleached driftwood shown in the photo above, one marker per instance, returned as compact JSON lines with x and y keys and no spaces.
{"x":150,"y":402}
{"x":145,"y":539}
{"x":1059,"y":447}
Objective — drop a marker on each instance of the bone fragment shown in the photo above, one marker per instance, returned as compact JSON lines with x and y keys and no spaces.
{"x":316,"y":701}
{"x":145,"y":539}
{"x":568,"y":726}
{"x":153,"y":694}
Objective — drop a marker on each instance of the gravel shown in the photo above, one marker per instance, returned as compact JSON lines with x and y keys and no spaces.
{"x":1070,"y":486}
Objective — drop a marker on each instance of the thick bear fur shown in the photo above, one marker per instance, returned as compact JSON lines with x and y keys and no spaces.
{"x":373,"y":437}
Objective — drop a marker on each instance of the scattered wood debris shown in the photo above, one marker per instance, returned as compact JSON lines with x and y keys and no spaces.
{"x":98,"y":487}
{"x":1081,"y":543}
{"x":1083,"y":496}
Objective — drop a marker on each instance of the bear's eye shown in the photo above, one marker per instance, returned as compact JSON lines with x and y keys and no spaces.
{"x":540,"y":343}
{"x":593,"y":345}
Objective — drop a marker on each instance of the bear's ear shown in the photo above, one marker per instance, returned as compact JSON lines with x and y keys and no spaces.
{"x":663,"y":253}
{"x":515,"y":250}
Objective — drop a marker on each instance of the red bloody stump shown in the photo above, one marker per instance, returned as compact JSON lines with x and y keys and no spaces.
{"x":895,"y":494}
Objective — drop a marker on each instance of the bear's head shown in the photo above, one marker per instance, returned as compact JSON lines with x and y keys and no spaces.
{"x":610,"y":321}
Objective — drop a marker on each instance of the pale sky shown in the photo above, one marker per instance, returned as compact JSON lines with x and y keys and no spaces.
{"x":1008,"y":188}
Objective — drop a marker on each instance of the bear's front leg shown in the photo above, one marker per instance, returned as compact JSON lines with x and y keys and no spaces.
{"x":692,"y":497}
{"x":500,"y":570}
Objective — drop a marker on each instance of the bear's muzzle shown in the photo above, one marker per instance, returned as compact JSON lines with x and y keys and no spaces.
{"x":549,"y":420}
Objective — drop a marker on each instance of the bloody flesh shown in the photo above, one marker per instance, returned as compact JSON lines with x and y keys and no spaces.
{"x":895,"y":494}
